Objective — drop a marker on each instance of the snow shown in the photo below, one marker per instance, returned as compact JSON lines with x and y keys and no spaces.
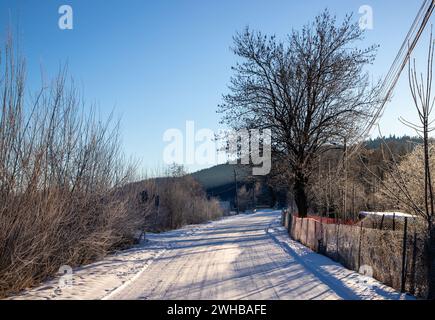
{"x":239,"y":257}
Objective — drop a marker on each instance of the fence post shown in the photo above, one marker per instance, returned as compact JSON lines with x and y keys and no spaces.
{"x":382,"y":222}
{"x":289,"y":224}
{"x":414,"y":263}
{"x":301,"y":230}
{"x":405,"y":236}
{"x":306,"y":233}
{"x":394,"y":221}
{"x":320,"y":241}
{"x":359,"y":245}
{"x":337,"y":241}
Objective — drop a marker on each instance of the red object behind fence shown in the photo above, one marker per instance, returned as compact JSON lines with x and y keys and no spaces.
{"x":331,"y":220}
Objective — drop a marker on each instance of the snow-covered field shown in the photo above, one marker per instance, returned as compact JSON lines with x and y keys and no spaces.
{"x":240,"y":257}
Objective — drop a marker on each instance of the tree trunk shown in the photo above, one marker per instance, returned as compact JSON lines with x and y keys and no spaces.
{"x":300,"y":195}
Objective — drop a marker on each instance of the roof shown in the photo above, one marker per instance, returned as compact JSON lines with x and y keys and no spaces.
{"x":387,"y":214}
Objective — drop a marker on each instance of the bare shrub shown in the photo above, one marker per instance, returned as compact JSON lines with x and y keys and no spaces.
{"x":171,"y":201}
{"x":60,"y":169}
{"x":181,"y":201}
{"x":411,"y":173}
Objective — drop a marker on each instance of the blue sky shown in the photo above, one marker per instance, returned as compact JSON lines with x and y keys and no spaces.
{"x":160,"y":63}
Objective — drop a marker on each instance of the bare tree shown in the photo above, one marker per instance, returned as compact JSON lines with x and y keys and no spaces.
{"x":409,"y":183}
{"x":421,"y":91}
{"x":311,"y":90}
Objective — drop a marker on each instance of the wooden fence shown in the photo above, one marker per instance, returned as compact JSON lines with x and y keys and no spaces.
{"x":396,"y":258}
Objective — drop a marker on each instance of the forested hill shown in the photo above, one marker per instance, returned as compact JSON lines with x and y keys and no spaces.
{"x":401,"y":142}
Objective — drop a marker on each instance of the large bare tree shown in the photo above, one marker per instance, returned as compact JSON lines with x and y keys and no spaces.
{"x":311,"y":90}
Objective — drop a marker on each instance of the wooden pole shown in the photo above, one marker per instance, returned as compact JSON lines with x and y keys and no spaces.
{"x":290,"y":223}
{"x":353,"y":201}
{"x":359,"y":245}
{"x":345,"y":180}
{"x":254,"y":206}
{"x":414,"y":262}
{"x":237,"y":196}
{"x":328,"y":202}
{"x":405,"y":235}
{"x":382,"y":222}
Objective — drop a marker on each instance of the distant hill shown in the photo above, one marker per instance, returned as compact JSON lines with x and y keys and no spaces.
{"x":221,"y":175}
{"x":403,"y":141}
{"x":218,"y":181}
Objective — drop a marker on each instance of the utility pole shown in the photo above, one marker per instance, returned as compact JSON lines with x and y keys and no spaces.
{"x":237,"y":196}
{"x":353,"y":201}
{"x":253,"y":196}
{"x":329,"y":191}
{"x":320,"y":184}
{"x":345,"y":180}
{"x":157,"y":205}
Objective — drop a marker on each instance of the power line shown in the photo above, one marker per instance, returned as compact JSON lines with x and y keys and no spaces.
{"x":397,"y":67}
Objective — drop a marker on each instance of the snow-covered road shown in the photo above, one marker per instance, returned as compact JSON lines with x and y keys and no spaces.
{"x":241,"y":257}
